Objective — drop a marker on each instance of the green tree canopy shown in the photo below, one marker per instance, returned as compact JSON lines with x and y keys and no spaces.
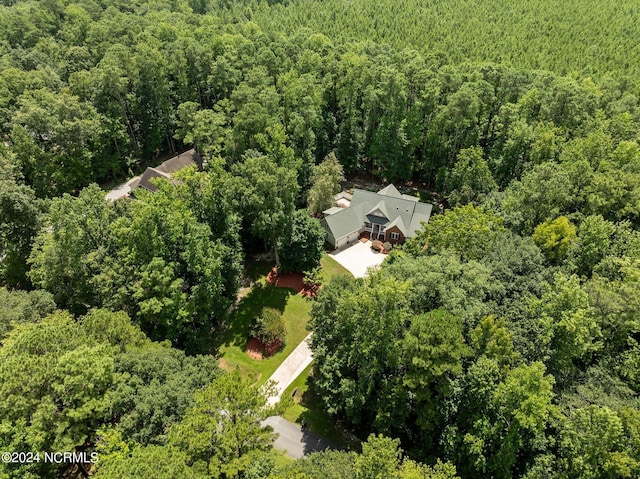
{"x":269,"y":326}
{"x":23,"y":307}
{"x":555,"y":237}
{"x":223,"y":426}
{"x":466,"y":230}
{"x":325,"y":183}
{"x":302,"y":249}
{"x":470,"y":179}
{"x":265,"y":194}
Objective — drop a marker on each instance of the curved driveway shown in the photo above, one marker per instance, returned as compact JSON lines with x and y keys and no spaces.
{"x":294,"y":440}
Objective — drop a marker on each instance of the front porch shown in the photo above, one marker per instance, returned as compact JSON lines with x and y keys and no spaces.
{"x":373,"y":232}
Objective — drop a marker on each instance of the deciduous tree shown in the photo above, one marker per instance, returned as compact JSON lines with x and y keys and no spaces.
{"x":325,"y":183}
{"x":224,"y":425}
{"x":265,"y":194}
{"x":302,"y":249}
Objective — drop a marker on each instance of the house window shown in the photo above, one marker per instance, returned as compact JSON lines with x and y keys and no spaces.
{"x":395,"y":236}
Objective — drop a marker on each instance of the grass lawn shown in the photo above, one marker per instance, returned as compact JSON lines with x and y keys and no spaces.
{"x":281,"y":458}
{"x":331,"y":268}
{"x":295,"y":312}
{"x":309,"y":406}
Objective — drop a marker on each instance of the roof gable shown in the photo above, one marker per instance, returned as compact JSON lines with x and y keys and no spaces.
{"x":398,"y":223}
{"x":379,"y":210}
{"x":390,"y":190}
{"x":383,"y":207}
{"x":149,"y":173}
{"x":166,"y":169}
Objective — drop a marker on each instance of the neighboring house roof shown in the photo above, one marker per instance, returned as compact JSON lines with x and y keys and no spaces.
{"x":180,"y":161}
{"x":387,"y":207}
{"x":166,"y":169}
{"x":145,"y":179}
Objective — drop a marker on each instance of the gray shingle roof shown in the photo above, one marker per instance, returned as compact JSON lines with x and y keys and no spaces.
{"x":421,"y":214}
{"x":145,"y":179}
{"x":390,"y":190}
{"x":399,"y":223}
{"x":332,"y":211}
{"x":180,"y":161}
{"x":346,"y":221}
{"x":379,"y":209}
{"x":411,"y":198}
{"x":166,"y":169}
{"x":406,"y":213}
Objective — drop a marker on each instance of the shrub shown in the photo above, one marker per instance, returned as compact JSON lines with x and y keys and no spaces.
{"x":313,"y":277}
{"x":269,"y":326}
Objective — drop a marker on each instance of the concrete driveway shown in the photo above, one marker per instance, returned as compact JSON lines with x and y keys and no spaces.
{"x":291,"y":368}
{"x":121,"y":191}
{"x":358,"y":258}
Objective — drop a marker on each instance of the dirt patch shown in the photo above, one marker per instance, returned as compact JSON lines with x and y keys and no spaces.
{"x":224,"y":364}
{"x":272,"y":348}
{"x":294,"y":281}
{"x":255,"y":349}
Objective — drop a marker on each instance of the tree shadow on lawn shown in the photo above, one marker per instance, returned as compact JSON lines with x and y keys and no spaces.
{"x":320,"y":422}
{"x":256,"y":270}
{"x":260,"y":297}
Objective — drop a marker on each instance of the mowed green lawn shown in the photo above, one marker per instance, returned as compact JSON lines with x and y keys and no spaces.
{"x":330,"y":267}
{"x":295,"y":312}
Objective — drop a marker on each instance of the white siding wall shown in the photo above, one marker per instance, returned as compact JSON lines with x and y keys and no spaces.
{"x":350,"y":238}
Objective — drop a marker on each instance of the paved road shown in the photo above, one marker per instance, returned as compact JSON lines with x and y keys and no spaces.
{"x":296,"y":442}
{"x":291,"y":368}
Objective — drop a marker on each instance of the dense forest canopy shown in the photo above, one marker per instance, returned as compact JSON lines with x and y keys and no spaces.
{"x":96,"y":90}
{"x":502,"y":341}
{"x":586,"y":37}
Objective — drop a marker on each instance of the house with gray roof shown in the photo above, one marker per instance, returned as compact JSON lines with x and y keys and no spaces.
{"x":386,"y":215}
{"x":166,"y":169}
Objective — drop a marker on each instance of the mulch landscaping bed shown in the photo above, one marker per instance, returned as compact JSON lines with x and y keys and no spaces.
{"x":294,"y":281}
{"x":256,"y":349}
